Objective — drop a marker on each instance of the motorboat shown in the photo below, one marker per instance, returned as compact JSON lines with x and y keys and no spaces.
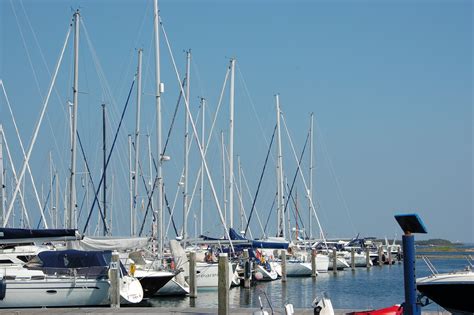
{"x":453,"y":291}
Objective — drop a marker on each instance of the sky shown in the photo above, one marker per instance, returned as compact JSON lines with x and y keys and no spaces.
{"x":390,"y":84}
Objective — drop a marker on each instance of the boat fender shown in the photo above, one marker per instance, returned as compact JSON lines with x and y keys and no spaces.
{"x":3,"y":288}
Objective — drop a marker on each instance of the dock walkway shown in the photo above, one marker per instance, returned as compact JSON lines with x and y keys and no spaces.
{"x":164,"y":310}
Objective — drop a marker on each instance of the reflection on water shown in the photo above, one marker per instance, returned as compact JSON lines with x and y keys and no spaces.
{"x":363,"y":288}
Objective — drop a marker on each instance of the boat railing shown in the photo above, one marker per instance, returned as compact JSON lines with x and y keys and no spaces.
{"x":430,"y":265}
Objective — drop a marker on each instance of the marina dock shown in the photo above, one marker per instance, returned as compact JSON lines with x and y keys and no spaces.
{"x":162,"y":310}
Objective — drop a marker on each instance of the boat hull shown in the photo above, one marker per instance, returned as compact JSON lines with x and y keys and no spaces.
{"x":55,"y":293}
{"x":451,"y":291}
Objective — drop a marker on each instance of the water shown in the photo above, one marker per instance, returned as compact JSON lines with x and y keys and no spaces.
{"x":363,"y":288}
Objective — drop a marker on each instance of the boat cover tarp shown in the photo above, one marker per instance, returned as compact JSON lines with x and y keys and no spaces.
{"x":67,"y":262}
{"x":119,"y":244}
{"x":15,"y":233}
{"x":273,"y":244}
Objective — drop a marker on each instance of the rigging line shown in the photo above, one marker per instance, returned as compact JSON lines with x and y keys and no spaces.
{"x":260,"y":180}
{"x":171,"y":215}
{"x":297,"y":214}
{"x":172,"y":212}
{"x":296,"y":172}
{"x":257,"y":116}
{"x":36,"y":130}
{"x":22,"y":147}
{"x":304,"y":181}
{"x":110,"y":154}
{"x":27,"y":51}
{"x":148,"y":206}
{"x":49,"y":74}
{"x":269,"y":214}
{"x":45,"y":203}
{"x":92,"y":182}
{"x":174,"y":118}
{"x":22,"y":199}
{"x":333,"y":173}
{"x":201,"y":151}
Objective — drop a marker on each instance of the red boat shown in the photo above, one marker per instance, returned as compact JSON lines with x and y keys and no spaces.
{"x":392,"y":310}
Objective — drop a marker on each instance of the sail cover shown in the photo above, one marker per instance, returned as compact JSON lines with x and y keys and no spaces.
{"x":16,"y":233}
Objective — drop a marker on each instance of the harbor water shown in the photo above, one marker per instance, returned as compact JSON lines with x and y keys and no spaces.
{"x":376,"y":287}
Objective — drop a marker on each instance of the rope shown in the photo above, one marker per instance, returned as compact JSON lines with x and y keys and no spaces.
{"x":260,"y":182}
{"x":110,"y":154}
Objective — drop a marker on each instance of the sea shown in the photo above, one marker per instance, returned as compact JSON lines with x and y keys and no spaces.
{"x":361,"y":289}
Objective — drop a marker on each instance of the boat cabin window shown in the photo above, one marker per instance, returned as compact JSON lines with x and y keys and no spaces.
{"x":6,"y":261}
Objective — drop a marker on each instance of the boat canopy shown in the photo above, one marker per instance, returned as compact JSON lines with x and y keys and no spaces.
{"x":15,"y":233}
{"x":107,"y":243}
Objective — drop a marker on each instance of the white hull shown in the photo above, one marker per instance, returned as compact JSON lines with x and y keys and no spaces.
{"x":207,"y":275}
{"x":261,"y":274}
{"x":322,"y":263}
{"x":55,"y":293}
{"x":173,"y":288}
{"x":298,"y":269}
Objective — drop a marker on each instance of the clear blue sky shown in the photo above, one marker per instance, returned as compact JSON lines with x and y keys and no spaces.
{"x":390,"y":84}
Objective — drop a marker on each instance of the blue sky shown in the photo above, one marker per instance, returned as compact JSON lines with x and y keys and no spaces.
{"x":389,"y":82}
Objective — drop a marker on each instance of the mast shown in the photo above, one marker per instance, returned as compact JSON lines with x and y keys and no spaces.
{"x":310,"y":192}
{"x":104,"y":162}
{"x":158,"y":222}
{"x":70,"y":220}
{"x":242,"y":219}
{"x":2,"y":180}
{"x":280,"y":190}
{"x":137,"y":144}
{"x":186,"y":147}
{"x":224,"y":177}
{"x":130,"y":187}
{"x":231,"y":144}
{"x":203,"y":140}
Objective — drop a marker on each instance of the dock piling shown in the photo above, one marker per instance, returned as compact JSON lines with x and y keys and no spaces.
{"x":247,"y":269}
{"x":223,"y":285}
{"x":114,"y":281}
{"x":313,"y":263}
{"x":283,"y":265}
{"x":192,"y":275}
{"x":380,"y":252}
{"x":334,"y":260}
{"x":352,"y":258}
{"x":367,"y":258}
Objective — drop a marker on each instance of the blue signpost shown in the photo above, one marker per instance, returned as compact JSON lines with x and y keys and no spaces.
{"x":410,"y":223}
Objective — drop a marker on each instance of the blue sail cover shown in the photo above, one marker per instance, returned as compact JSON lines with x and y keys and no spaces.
{"x":75,"y":258}
{"x":259,"y":243}
{"x":14,"y":233}
{"x":89,"y":263}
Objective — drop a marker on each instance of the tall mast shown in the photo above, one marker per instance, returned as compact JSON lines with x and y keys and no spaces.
{"x":137,"y":143}
{"x":132,"y":201}
{"x":2,"y":180}
{"x":231,"y":143}
{"x":224,"y":178}
{"x":186,"y":147}
{"x":104,"y":162}
{"x":242,"y":219}
{"x":203,"y":139}
{"x":280,"y":191}
{"x":310,"y":192}
{"x":158,"y":222}
{"x":70,"y":220}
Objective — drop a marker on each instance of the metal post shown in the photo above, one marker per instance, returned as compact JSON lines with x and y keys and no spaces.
{"x":283,"y":266}
{"x":223,"y":285}
{"x":352,"y":258}
{"x":389,"y":252}
{"x":314,"y":270}
{"x":114,"y":278}
{"x":410,"y":307}
{"x":334,"y":260}
{"x":192,"y":275}
{"x":380,"y":252}
{"x":247,"y":269}
{"x":367,"y":258}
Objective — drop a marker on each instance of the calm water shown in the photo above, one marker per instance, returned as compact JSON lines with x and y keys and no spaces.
{"x":376,"y":287}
